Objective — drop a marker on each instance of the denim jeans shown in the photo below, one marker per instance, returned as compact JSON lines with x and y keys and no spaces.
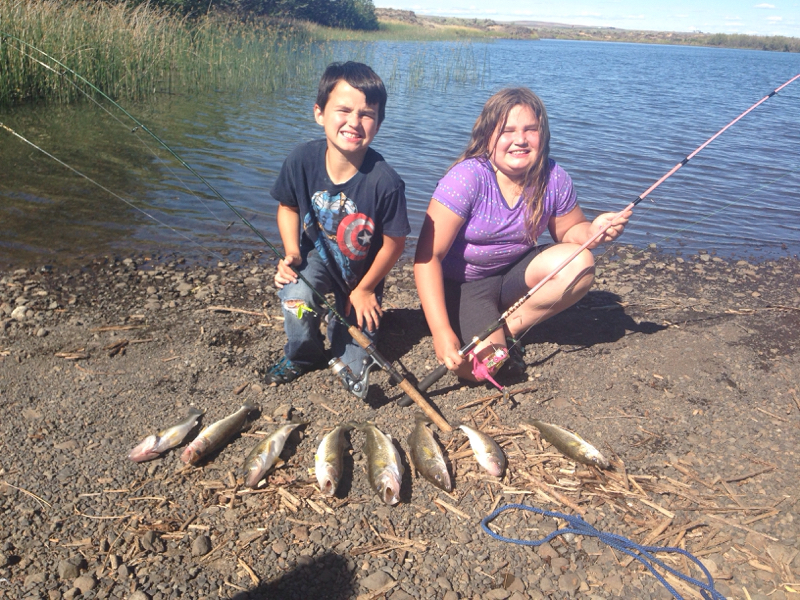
{"x":304,"y":342}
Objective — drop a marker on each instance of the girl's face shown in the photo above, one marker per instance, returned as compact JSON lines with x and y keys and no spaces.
{"x":516,"y":145}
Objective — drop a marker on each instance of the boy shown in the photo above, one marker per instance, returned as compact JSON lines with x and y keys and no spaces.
{"x":342,"y":219}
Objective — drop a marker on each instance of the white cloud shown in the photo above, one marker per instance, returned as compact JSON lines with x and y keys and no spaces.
{"x":774,"y":18}
{"x":764,"y":5}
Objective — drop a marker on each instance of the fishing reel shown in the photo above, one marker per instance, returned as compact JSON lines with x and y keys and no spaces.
{"x":358,"y":386}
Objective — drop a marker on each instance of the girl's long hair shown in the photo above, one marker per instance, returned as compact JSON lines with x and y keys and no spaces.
{"x":493,"y":118}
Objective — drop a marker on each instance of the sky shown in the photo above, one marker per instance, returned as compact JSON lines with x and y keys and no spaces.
{"x":753,"y":17}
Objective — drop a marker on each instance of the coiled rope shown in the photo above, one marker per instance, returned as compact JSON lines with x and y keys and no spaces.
{"x":641,"y":553}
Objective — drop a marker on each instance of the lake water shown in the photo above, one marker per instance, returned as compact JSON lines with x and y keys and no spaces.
{"x":621,"y":116}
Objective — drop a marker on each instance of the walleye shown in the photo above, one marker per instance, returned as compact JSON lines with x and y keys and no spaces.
{"x":384,"y":468}
{"x":487,"y":452}
{"x":426,"y":454}
{"x":154,"y":445}
{"x":570,"y":444}
{"x":328,"y":459}
{"x":216,"y":434}
{"x":263,"y":456}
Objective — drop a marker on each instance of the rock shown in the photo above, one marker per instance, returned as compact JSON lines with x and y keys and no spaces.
{"x":35,"y":578}
{"x":201,"y":545}
{"x":138,"y":595}
{"x":84,"y":583}
{"x":569,"y":583}
{"x":450,"y":595}
{"x":376,"y":580}
{"x":152,"y":542}
{"x":497,"y":594}
{"x":19,"y":313}
{"x":444,"y":583}
{"x":279,"y":546}
{"x":68,"y":570}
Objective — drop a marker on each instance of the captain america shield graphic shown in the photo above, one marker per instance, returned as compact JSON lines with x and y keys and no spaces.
{"x":355,"y":235}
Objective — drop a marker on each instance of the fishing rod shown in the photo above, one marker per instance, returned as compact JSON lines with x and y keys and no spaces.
{"x":439,"y":372}
{"x":375,"y":358}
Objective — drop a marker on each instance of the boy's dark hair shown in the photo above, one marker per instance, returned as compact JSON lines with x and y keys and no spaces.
{"x":358,"y":75}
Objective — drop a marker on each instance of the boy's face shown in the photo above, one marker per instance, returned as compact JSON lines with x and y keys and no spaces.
{"x":350,"y":123}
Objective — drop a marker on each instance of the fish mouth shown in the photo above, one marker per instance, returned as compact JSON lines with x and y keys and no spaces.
{"x":142,"y":456}
{"x":389,"y":496}
{"x":328,"y":487}
{"x":190,"y":456}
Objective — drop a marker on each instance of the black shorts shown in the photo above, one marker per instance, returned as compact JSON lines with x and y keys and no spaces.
{"x":473,"y":306}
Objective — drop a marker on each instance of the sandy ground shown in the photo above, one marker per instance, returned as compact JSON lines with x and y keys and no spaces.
{"x":682,"y":370}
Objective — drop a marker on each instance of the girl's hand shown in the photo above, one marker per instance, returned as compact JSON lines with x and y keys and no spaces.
{"x":368,"y":311}
{"x":446,"y":345}
{"x":612,"y":224}
{"x":285,"y":274}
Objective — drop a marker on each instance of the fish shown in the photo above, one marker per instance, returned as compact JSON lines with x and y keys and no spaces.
{"x":426,"y":454}
{"x":328,"y":458}
{"x":570,"y":444}
{"x":264,"y":454}
{"x":154,"y":445}
{"x":487,"y":452}
{"x":384,"y":468}
{"x":216,"y":434}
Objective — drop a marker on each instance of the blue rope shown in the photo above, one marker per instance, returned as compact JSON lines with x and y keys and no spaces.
{"x":641,"y":553}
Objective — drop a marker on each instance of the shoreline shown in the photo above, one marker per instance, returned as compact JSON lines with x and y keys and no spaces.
{"x":683,"y":372}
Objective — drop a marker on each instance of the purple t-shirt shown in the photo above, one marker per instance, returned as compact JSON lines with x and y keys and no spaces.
{"x":494,"y":235}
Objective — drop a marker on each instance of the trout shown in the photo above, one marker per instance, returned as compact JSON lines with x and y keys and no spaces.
{"x":329,"y":457}
{"x":570,"y":444}
{"x":154,"y":445}
{"x":426,"y":454}
{"x":263,"y":456}
{"x":487,"y":452}
{"x":384,"y":468}
{"x":215,"y":435}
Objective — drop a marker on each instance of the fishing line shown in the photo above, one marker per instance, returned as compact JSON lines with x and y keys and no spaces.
{"x":152,"y":134}
{"x":362,"y":340}
{"x":439,"y":372}
{"x":708,"y":216}
{"x":108,"y":191}
{"x":135,"y":130}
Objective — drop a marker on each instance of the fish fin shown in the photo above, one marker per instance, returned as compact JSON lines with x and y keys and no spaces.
{"x":194,"y":411}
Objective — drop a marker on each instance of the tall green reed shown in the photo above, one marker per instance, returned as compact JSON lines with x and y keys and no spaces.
{"x":132,"y":52}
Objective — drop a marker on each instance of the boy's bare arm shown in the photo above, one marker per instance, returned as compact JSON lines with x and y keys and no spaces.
{"x":362,"y":298}
{"x":289,"y":228}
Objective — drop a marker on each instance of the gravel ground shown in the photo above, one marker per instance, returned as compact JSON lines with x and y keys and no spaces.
{"x":682,"y":370}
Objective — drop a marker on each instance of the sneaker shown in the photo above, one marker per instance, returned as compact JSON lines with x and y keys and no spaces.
{"x":283,"y":371}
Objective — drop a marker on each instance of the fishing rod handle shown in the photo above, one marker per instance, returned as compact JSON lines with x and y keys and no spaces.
{"x":404,"y":383}
{"x":429,"y":411}
{"x":423,"y":385}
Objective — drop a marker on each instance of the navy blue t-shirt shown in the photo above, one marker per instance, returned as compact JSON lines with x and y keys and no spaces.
{"x":344,"y":222}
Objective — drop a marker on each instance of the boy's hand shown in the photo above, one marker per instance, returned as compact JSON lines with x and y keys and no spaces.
{"x":368,"y":311}
{"x":285,"y":274}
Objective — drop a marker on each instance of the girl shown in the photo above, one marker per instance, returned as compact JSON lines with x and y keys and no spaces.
{"x":477,"y":251}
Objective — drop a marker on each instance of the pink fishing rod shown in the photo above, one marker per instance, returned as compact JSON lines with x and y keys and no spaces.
{"x":439,"y":372}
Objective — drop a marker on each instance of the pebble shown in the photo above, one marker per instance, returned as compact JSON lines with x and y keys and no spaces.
{"x":201,"y":545}
{"x":67,"y":569}
{"x":376,"y":580}
{"x":84,"y":583}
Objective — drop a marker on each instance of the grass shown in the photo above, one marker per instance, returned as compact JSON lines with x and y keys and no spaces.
{"x":132,"y":52}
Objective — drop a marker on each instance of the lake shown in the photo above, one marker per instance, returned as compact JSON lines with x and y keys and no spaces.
{"x":621,"y":116}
